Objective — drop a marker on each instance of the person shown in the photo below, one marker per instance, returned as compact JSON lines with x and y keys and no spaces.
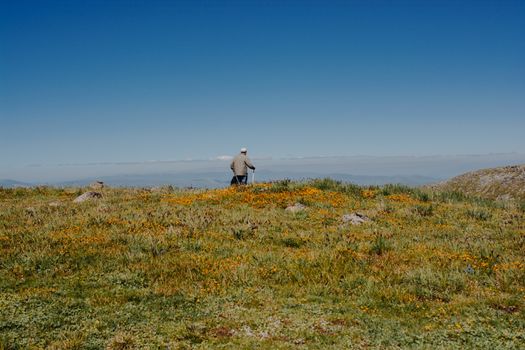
{"x":239,"y":166}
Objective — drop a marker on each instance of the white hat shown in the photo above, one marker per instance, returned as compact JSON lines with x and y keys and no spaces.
{"x":244,"y":150}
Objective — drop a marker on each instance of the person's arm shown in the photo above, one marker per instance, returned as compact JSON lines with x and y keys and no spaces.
{"x":249,"y":163}
{"x":231,"y":165}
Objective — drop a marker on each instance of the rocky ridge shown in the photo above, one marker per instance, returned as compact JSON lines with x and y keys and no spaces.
{"x":503,"y":183}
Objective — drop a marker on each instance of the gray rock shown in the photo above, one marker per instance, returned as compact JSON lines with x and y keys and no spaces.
{"x":469,"y":269}
{"x":30,"y":211}
{"x":354,"y":218}
{"x":87,"y":196}
{"x":297,"y":207}
{"x":55,"y":204}
{"x":97,"y":185}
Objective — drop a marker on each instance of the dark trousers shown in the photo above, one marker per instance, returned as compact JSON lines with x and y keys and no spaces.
{"x":239,"y":180}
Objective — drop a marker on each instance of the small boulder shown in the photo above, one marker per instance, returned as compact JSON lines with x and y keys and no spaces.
{"x":97,"y":185}
{"x":30,"y":211}
{"x":354,"y":218}
{"x":87,"y":196}
{"x":55,"y":204}
{"x":297,"y":207}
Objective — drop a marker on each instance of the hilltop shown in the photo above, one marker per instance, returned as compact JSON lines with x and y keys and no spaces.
{"x":495,"y":183}
{"x":310,"y":265}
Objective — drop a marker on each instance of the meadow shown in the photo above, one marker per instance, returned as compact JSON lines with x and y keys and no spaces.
{"x":231,"y":268}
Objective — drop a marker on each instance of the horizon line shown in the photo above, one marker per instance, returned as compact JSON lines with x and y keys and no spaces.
{"x":225,"y":158}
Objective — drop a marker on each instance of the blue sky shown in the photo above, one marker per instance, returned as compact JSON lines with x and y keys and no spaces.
{"x":120,"y":81}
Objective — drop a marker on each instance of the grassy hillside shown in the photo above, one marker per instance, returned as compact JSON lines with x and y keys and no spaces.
{"x":231,"y":268}
{"x":495,"y":183}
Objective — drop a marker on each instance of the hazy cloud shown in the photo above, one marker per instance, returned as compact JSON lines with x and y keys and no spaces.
{"x":224,"y":158}
{"x":443,"y":166}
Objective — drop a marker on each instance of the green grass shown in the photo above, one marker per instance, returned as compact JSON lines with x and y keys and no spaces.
{"x":228,"y":268}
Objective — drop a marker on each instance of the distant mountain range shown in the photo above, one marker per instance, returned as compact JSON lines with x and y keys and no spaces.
{"x":7,"y":183}
{"x":212,"y":173}
{"x":221,"y":179}
{"x":496,"y":183}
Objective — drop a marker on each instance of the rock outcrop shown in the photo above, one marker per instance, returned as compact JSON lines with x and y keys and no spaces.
{"x":297,"y":207}
{"x":87,"y":196}
{"x":97,"y":185}
{"x":354,"y":219}
{"x":504,"y":183}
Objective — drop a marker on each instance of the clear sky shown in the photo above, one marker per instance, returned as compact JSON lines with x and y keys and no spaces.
{"x":117,"y":81}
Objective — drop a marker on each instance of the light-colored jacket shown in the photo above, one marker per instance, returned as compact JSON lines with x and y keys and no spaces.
{"x":240,"y":164}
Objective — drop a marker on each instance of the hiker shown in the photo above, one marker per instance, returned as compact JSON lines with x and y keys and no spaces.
{"x":239,"y":166}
